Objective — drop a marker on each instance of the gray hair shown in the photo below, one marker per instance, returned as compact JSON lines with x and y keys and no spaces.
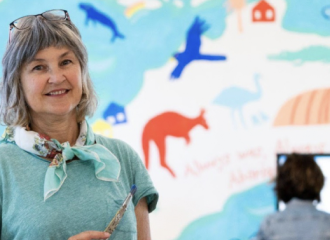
{"x":23,"y":46}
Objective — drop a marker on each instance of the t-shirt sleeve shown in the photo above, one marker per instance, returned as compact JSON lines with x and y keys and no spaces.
{"x":133,"y":170}
{"x":141,"y":178}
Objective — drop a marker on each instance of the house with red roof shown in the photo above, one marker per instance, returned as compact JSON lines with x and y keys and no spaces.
{"x":263,"y":12}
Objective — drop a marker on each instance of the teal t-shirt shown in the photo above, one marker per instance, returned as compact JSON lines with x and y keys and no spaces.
{"x":82,"y":203}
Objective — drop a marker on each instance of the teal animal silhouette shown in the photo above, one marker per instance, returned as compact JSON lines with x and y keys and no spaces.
{"x":235,"y":98}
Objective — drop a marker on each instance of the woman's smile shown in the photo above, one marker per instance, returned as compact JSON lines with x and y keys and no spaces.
{"x":57,"y":92}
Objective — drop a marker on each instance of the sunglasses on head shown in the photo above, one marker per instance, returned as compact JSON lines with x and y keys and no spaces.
{"x":51,"y":15}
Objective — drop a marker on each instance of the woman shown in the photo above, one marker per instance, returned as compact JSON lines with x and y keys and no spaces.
{"x":298,"y":183}
{"x":59,"y":180}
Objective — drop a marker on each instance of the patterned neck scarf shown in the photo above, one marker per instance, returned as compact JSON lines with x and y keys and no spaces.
{"x":107,"y":166}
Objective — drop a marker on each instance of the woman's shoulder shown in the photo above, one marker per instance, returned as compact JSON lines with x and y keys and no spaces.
{"x":112,"y":143}
{"x":102,"y":139}
{"x":10,"y":154}
{"x":118,"y":147}
{"x":7,"y":149}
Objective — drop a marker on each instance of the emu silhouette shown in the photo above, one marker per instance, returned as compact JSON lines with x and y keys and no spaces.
{"x":168,"y":124}
{"x":96,"y":16}
{"x":192,"y":51}
{"x":235,"y":98}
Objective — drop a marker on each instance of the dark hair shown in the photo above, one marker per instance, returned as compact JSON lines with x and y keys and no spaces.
{"x":23,"y":47}
{"x":299,"y":177}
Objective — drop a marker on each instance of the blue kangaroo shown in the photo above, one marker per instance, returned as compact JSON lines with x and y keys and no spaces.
{"x":93,"y":14}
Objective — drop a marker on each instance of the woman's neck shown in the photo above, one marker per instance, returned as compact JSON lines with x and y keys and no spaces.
{"x":63,"y":130}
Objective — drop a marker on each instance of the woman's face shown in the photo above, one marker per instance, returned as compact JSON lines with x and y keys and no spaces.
{"x":52,"y":83}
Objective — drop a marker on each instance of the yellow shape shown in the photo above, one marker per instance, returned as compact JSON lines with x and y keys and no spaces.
{"x":103,"y":128}
{"x":130,"y":11}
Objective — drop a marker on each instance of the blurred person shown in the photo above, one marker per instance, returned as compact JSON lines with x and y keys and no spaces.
{"x":59,"y":180}
{"x":299,"y":182}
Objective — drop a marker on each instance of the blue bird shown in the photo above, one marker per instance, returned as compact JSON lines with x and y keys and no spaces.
{"x":192,"y":51}
{"x":97,"y":16}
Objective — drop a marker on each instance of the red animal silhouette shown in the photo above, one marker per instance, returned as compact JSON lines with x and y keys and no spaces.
{"x":168,"y":124}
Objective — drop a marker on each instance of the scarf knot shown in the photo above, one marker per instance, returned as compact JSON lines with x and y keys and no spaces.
{"x":106,"y":164}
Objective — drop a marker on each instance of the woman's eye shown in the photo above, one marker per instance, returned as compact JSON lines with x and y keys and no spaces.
{"x":66,"y":62}
{"x":37,"y":68}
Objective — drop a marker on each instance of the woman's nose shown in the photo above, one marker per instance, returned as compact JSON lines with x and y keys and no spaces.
{"x":56,"y":75}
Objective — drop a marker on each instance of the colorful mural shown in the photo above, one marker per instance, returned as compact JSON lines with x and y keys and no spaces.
{"x":207,"y":92}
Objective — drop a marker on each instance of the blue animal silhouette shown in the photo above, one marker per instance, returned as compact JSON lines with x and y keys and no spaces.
{"x":235,"y":98}
{"x":96,"y":16}
{"x":192,"y":51}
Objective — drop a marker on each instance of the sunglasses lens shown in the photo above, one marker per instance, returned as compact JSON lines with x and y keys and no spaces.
{"x":54,"y":15}
{"x":23,"y":22}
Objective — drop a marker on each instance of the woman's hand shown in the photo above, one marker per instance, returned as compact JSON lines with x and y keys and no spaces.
{"x":89,"y":235}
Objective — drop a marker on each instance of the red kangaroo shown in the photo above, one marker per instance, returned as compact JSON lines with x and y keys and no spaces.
{"x":168,"y":124}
